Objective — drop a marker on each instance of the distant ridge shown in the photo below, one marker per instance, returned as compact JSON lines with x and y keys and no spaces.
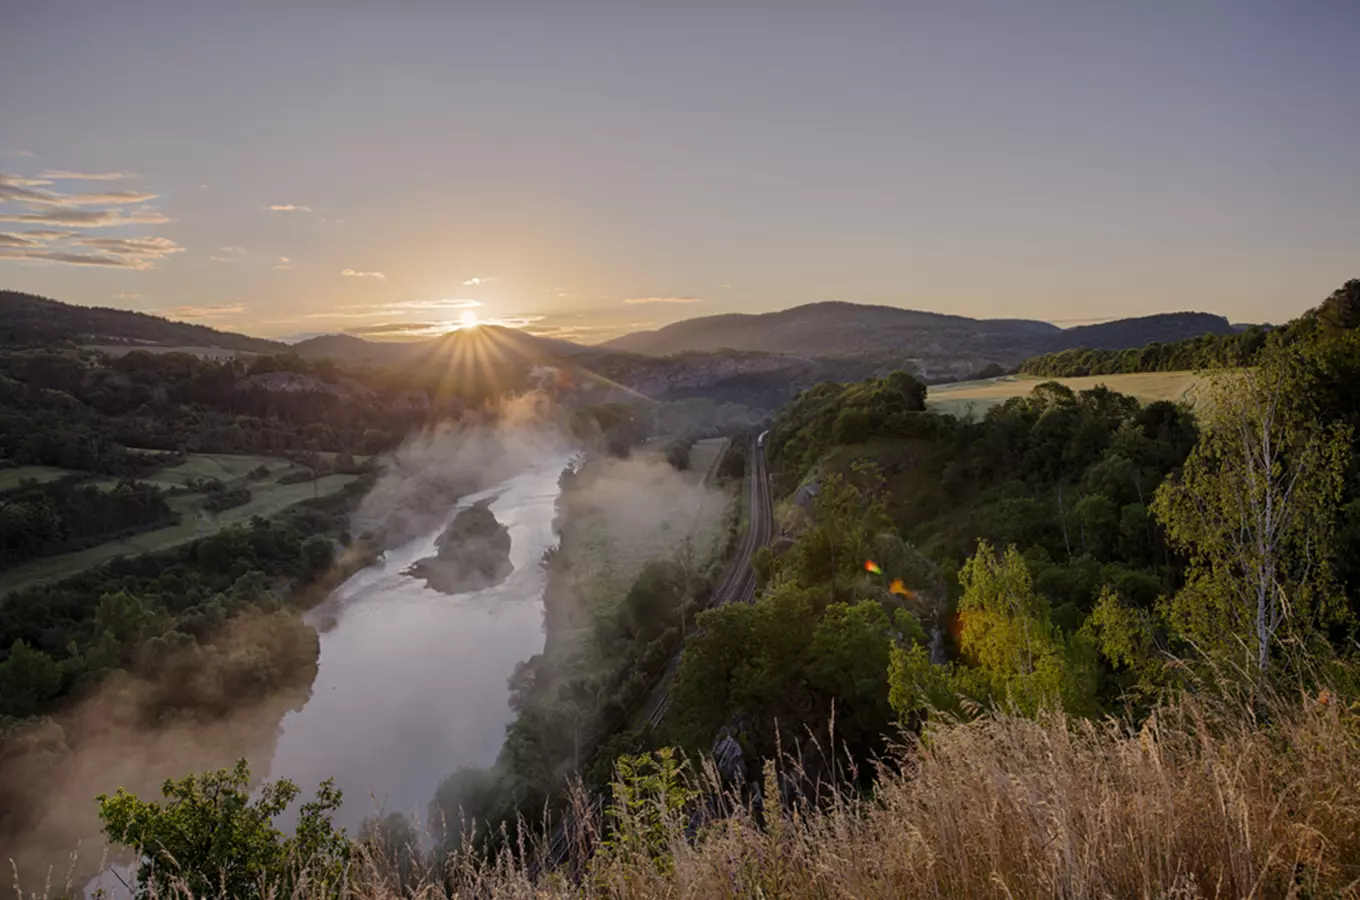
{"x":1122,"y":334}
{"x":816,"y":340}
{"x":937,"y":344}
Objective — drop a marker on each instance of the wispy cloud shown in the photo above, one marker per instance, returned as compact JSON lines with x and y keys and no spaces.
{"x":283,"y":263}
{"x":19,"y":189}
{"x":475,"y":281}
{"x":47,"y":234}
{"x":351,"y":273}
{"x":401,"y":328}
{"x":203,"y":312}
{"x":399,"y":308}
{"x":34,"y":201}
{"x":119,"y":253}
{"x":128,"y":296}
{"x":435,"y":304}
{"x":229,"y":254}
{"x":84,"y":176}
{"x":289,"y":207}
{"x":141,"y":253}
{"x":633,"y":301}
{"x":22,"y":180}
{"x":69,"y":258}
{"x":88,"y":218}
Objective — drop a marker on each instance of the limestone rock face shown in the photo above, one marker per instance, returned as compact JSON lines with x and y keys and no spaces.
{"x":472,"y":554}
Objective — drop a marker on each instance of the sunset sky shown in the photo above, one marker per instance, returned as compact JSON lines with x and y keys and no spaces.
{"x":584,"y":169}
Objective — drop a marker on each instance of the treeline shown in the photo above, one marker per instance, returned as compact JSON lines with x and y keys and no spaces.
{"x":1339,"y":312}
{"x":1206,"y":352}
{"x":41,"y":520}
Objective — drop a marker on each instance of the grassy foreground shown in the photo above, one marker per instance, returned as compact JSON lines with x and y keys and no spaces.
{"x":1200,"y":801}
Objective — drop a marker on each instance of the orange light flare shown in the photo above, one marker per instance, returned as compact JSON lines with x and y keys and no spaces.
{"x":871,"y":566}
{"x":897,"y":587}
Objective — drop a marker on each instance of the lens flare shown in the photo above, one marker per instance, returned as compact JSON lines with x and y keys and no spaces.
{"x":897,"y":587}
{"x":871,"y":566}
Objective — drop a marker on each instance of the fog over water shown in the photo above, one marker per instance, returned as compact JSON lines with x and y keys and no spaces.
{"x":412,"y":683}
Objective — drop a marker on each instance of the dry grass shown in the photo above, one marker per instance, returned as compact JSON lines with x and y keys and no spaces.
{"x":1195,"y":803}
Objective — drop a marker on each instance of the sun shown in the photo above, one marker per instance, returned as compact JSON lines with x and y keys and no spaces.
{"x":468,"y":319}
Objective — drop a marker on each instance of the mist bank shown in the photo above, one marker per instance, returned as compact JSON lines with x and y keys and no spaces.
{"x":190,"y":680}
{"x":641,"y":543}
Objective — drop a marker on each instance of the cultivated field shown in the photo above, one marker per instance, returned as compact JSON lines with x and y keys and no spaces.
{"x":12,"y":478}
{"x":974,"y":398}
{"x":267,"y":498}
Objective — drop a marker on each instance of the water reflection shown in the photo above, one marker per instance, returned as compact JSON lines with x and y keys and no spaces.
{"x":411,"y":683}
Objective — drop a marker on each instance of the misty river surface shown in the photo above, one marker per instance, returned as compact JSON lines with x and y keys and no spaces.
{"x":412,"y":683}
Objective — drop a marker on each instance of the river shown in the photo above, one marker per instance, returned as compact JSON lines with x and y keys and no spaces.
{"x":411,"y":683}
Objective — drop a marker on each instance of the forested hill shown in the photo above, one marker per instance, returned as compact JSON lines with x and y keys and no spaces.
{"x":1143,"y":330}
{"x":1339,"y":312}
{"x":27,"y":319}
{"x":935,"y":345}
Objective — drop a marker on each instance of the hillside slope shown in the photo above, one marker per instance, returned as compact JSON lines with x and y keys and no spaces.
{"x":30,"y":319}
{"x":936,"y":345}
{"x":1122,"y":334}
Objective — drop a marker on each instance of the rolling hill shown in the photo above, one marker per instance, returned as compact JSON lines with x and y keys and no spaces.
{"x":938,"y":345}
{"x":30,"y":319}
{"x":757,"y":359}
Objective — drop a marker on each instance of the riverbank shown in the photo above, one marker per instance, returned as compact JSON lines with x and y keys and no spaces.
{"x":412,"y":682}
{"x":640,"y":544}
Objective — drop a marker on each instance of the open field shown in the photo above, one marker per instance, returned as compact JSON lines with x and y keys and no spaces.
{"x":225,"y":467}
{"x":12,"y":478}
{"x":974,"y":398}
{"x":266,"y":499}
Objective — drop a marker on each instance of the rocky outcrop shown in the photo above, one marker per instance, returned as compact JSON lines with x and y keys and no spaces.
{"x":473,"y":553}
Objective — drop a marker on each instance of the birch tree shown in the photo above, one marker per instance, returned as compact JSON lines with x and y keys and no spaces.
{"x":1253,"y":509}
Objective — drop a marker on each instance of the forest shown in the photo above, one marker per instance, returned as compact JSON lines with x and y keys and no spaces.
{"x":1209,"y":351}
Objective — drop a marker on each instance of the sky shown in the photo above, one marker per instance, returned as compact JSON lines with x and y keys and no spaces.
{"x":584,"y":169}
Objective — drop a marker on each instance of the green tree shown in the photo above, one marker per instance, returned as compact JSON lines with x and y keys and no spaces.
{"x":1098,"y":518}
{"x":654,"y":600}
{"x":210,"y":839}
{"x":849,"y":654}
{"x":648,"y":806}
{"x":318,"y":553}
{"x":1253,"y":508}
{"x":1007,"y":634}
{"x":28,"y":679}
